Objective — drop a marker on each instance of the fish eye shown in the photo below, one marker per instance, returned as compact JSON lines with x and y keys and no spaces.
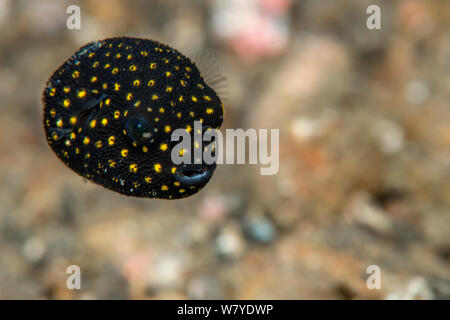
{"x":139,"y":130}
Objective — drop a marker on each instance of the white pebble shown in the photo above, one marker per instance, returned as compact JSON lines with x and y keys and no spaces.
{"x":417,"y":92}
{"x":33,"y":249}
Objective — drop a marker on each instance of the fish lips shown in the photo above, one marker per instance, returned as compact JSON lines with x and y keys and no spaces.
{"x":194,"y":174}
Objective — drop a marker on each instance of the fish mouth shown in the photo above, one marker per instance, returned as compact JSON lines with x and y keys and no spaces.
{"x":194,"y":174}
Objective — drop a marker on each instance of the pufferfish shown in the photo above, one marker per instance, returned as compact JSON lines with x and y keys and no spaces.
{"x":110,"y":110}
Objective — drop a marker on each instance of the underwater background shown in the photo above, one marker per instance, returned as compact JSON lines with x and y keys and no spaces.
{"x":364,"y":178}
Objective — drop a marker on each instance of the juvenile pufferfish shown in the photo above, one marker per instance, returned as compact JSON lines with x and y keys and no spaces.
{"x":110,"y":110}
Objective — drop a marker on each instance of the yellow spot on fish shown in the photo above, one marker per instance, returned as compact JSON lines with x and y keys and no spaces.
{"x":161,"y":110}
{"x":136,"y":83}
{"x":164,"y":187}
{"x":157,"y":167}
{"x":152,"y":65}
{"x":116,"y":86}
{"x":209,"y":110}
{"x":144,"y":149}
{"x":86,"y":140}
{"x":154,"y":97}
{"x":75,"y":74}
{"x":183,"y":83}
{"x":116,"y":114}
{"x":82,"y":94}
{"x":129,"y":96}
{"x":52,"y":92}
{"x":59,"y":123}
{"x":107,"y":102}
{"x":163,"y":146}
{"x":124,"y":153}
{"x":151,"y":83}
{"x":168,"y":89}
{"x":115,"y":70}
{"x":133,"y":167}
{"x":179,"y":115}
{"x":188,"y":128}
{"x":95,"y":64}
{"x":112,"y":163}
{"x":194,"y":99}
{"x":133,"y":68}
{"x":94,"y":79}
{"x":92,"y":123}
{"x":66,"y":89}
{"x":111,"y":140}
{"x":52,"y":112}
{"x":181,"y":190}
{"x":207,"y":98}
{"x":167,"y":128}
{"x":66,"y":103}
{"x":104,"y":122}
{"x":148,"y":179}
{"x":98,"y":144}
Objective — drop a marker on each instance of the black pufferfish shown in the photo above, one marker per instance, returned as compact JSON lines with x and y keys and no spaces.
{"x":110,"y":110}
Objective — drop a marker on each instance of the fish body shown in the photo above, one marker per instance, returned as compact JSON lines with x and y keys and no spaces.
{"x":110,"y":109}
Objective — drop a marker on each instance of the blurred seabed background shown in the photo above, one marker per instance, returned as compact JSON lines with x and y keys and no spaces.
{"x":364,"y":175}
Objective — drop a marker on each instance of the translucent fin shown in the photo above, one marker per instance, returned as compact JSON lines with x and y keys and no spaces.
{"x":210,"y":69}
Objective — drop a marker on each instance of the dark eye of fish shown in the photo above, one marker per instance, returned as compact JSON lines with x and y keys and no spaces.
{"x":139,"y":129}
{"x":110,"y":110}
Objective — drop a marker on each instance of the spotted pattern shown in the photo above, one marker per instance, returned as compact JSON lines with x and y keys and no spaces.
{"x":89,"y":99}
